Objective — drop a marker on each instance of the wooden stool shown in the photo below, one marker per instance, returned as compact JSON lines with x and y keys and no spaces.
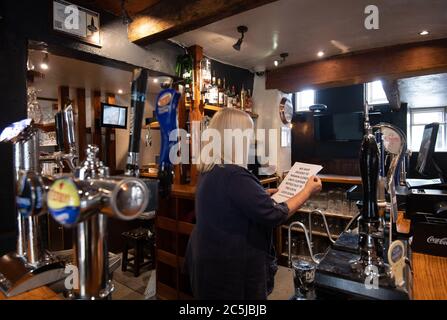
{"x":139,"y":248}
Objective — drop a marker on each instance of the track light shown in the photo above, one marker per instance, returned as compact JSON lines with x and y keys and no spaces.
{"x":126,"y":17}
{"x":241,"y":30}
{"x":283,"y":56}
{"x":44,"y":64}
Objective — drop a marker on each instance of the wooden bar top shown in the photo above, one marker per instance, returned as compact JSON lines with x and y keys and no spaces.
{"x":430,"y":277}
{"x":41,"y":293}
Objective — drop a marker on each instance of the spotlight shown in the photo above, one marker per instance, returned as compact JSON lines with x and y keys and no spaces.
{"x":44,"y":64}
{"x":283,"y":56}
{"x":320,"y":54}
{"x":120,"y":91}
{"x":126,"y":17}
{"x":241,"y":30}
{"x":424,"y":33}
{"x":155,"y":80}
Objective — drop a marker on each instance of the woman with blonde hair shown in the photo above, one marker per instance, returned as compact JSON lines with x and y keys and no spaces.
{"x":230,"y":253}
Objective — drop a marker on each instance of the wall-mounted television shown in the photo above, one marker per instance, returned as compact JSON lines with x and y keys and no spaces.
{"x":113,"y":116}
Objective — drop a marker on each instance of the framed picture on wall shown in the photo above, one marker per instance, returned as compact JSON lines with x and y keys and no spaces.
{"x":77,"y":22}
{"x":286,"y":137}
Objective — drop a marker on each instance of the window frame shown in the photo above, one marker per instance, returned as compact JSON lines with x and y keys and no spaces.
{"x":411,"y":124}
{"x":295,"y":100}
{"x":366,"y":90}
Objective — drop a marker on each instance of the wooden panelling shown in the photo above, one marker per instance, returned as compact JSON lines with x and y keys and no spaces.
{"x":359,"y":67}
{"x":167,"y":19}
{"x":81,"y":122}
{"x":96,"y":129}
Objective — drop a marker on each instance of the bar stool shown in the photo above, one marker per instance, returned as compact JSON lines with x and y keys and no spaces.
{"x":138,"y":248}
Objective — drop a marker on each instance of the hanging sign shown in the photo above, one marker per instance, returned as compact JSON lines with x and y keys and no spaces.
{"x":76,"y":21}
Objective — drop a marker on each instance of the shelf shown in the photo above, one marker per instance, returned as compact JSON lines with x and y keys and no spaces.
{"x":314,"y":232}
{"x":152,"y":126}
{"x":335,"y":178}
{"x":217,"y":108}
{"x":328,"y":214}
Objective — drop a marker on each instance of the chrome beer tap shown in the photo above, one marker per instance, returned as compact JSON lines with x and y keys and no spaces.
{"x":64,"y":127}
{"x":31,"y":265}
{"x":85,"y":202}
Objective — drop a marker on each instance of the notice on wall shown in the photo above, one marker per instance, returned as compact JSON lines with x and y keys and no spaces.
{"x":295,"y":180}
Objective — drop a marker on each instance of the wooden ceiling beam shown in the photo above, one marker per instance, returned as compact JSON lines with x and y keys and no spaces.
{"x":167,"y":19}
{"x":394,"y":62}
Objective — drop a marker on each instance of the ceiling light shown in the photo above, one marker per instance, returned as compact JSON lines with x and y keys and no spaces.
{"x":283,"y":56}
{"x":126,"y":17}
{"x":120,"y":91}
{"x":44,"y":64}
{"x":241,"y":30}
{"x":424,"y":32}
{"x":155,"y":80}
{"x":320,"y":54}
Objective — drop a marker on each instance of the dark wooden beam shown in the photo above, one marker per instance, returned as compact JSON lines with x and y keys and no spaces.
{"x":63,"y":96}
{"x":110,"y":140}
{"x":167,"y":19}
{"x":394,"y":62}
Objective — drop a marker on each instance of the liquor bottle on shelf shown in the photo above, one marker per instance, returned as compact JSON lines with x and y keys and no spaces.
{"x":225,"y":94}
{"x":188,"y":97}
{"x":249,"y":102}
{"x":213,"y":92}
{"x":220,"y":93}
{"x":243,"y":98}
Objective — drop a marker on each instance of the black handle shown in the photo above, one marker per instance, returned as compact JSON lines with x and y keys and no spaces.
{"x":369,"y":169}
{"x":59,"y":121}
{"x":138,"y":97}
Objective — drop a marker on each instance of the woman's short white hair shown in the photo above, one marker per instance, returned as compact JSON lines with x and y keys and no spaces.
{"x":234,"y":127}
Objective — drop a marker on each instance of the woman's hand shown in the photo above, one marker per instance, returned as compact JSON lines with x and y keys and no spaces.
{"x":271,"y":192}
{"x":313,"y":185}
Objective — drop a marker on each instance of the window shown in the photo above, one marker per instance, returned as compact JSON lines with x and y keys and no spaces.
{"x":304,"y":99}
{"x":374,"y":93}
{"x":419,"y":117}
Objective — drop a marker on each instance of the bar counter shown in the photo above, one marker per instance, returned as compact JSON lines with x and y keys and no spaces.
{"x":42,"y":293}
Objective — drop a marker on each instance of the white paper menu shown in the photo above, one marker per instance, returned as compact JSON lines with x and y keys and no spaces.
{"x":295,"y":180}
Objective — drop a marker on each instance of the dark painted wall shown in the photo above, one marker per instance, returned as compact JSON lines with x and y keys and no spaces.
{"x":338,"y":157}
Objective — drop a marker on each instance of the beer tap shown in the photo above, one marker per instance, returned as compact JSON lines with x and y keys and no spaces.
{"x":370,"y":262}
{"x":85,"y":202}
{"x":64,"y":127}
{"x":31,"y":265}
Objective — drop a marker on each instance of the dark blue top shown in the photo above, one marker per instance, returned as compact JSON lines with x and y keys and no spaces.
{"x":230,"y":253}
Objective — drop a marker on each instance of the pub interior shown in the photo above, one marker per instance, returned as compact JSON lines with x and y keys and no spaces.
{"x":102,"y":104}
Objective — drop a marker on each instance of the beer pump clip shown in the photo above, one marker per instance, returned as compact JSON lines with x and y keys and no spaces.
{"x":166,"y":111}
{"x":31,"y":266}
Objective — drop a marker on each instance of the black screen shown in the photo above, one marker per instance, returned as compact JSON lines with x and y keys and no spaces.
{"x":427,"y":147}
{"x":339,"y":127}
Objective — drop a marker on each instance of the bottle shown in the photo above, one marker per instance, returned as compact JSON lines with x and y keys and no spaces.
{"x":225,"y":94}
{"x":249,"y":102}
{"x":213,"y":92}
{"x":220,"y":93}
{"x":243,"y":98}
{"x":188,"y":101}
